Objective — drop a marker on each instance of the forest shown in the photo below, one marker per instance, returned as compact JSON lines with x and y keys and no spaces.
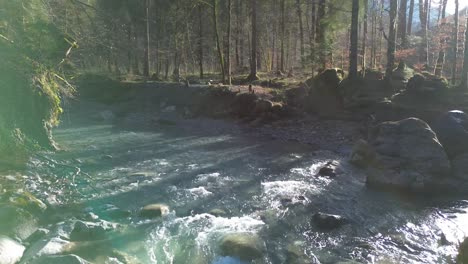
{"x":233,"y":131}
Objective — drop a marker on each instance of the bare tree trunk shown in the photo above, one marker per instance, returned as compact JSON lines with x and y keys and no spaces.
{"x":353,"y":60}
{"x":321,"y":34}
{"x":283,"y":24}
{"x":464,"y":78}
{"x":441,"y":57}
{"x":410,"y":18}
{"x":391,"y":39}
{"x":238,"y":36}
{"x":313,"y":35}
{"x":218,"y":44}
{"x":301,"y":30}
{"x":364,"y":37}
{"x":228,"y":52}
{"x":146,"y":62}
{"x":455,"y":44}
{"x":200,"y":40}
{"x":253,"y":56}
{"x":423,"y":16}
{"x":402,"y":23}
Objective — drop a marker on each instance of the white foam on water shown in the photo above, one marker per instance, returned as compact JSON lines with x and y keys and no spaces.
{"x":200,"y":232}
{"x":198,"y":192}
{"x":274,"y":191}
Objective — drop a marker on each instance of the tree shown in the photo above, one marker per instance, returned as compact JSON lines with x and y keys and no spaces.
{"x":455,"y":43}
{"x":391,"y":40}
{"x":200,"y":40}
{"x":353,"y":71}
{"x":410,"y":18}
{"x":228,"y":52}
{"x":283,"y":28}
{"x":464,"y":79}
{"x":146,"y":62}
{"x":253,"y":55}
{"x":364,"y":36}
{"x":301,"y":30}
{"x":402,"y":27}
{"x":423,"y":17}
{"x":218,"y":44}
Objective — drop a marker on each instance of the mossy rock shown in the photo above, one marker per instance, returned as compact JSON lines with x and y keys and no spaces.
{"x":27,"y":201}
{"x":246,"y":246}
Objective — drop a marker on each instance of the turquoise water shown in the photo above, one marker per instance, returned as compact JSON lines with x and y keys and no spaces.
{"x":110,"y":167}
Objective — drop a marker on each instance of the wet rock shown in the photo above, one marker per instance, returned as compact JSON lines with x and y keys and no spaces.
{"x":330,"y":169}
{"x":408,"y":156}
{"x":46,"y":247}
{"x":154,"y":210}
{"x":245,"y":246}
{"x":36,"y":236}
{"x":452,"y":131}
{"x":60,"y":259}
{"x":460,"y":168}
{"x":295,"y":255}
{"x":244,"y":104}
{"x":263,"y":106}
{"x":328,"y":221}
{"x":10,"y":250}
{"x":111,"y":212}
{"x":400,"y":76}
{"x":16,"y":222}
{"x":27,"y":201}
{"x":218,"y":212}
{"x":87,"y":231}
{"x":463,"y":252}
{"x":362,"y":154}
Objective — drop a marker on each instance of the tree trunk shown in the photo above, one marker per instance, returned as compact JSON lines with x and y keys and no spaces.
{"x":313,"y":35}
{"x":410,"y":18}
{"x":444,"y":7}
{"x":200,"y":40}
{"x":238,"y":35}
{"x":455,"y":44}
{"x":391,"y":40}
{"x":283,"y":25}
{"x":364,"y":37}
{"x":218,"y":45}
{"x":321,"y":34}
{"x":423,"y":16}
{"x":253,"y":56}
{"x":464,"y":79}
{"x":146,"y":62}
{"x":353,"y":59}
{"x":228,"y":52}
{"x":402,"y":23}
{"x":441,"y":57}
{"x":301,"y":30}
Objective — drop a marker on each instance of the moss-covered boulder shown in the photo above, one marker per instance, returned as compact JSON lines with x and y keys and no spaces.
{"x":325,"y":96}
{"x":427,"y":84}
{"x":245,"y":246}
{"x":400,"y":76}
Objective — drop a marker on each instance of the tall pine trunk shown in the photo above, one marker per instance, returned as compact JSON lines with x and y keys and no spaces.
{"x":301,"y":30}
{"x":353,"y":60}
{"x":364,"y":37}
{"x":283,"y":25}
{"x":218,"y":44}
{"x":200,"y":41}
{"x":228,"y":52}
{"x":321,"y":33}
{"x":410,"y":18}
{"x":455,"y":43}
{"x":423,"y":17}
{"x":402,"y":23}
{"x":146,"y":61}
{"x":253,"y":56}
{"x":391,"y":40}
{"x":464,"y":79}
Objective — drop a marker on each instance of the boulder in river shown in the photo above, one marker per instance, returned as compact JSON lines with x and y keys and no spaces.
{"x":463,"y":252}
{"x":154,"y":210}
{"x":408,"y":156}
{"x":452,"y":131}
{"x":16,"y":222}
{"x":330,"y":169}
{"x":246,"y":246}
{"x":10,"y":250}
{"x":244,"y":104}
{"x":263,"y":106}
{"x":328,"y":221}
{"x":46,"y":247}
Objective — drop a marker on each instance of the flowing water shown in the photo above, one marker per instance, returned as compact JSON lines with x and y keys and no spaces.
{"x":197,"y":165}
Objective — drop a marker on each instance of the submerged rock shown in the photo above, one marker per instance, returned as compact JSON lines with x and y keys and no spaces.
{"x":452,"y":131}
{"x":154,"y":210}
{"x":295,"y":255}
{"x":10,"y":250}
{"x":328,"y":221}
{"x":16,"y":222}
{"x":408,"y":156}
{"x":60,"y":259}
{"x":217,"y":212}
{"x":245,"y":246}
{"x":87,"y":231}
{"x":46,"y":247}
{"x":362,"y":154}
